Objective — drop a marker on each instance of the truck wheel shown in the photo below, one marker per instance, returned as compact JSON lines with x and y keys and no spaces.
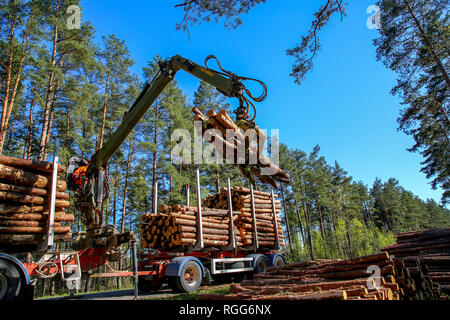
{"x":279,"y":262}
{"x":10,"y":281}
{"x":190,"y":277}
{"x":261,"y":265}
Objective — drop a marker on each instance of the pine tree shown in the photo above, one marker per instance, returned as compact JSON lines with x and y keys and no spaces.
{"x":413,"y":42}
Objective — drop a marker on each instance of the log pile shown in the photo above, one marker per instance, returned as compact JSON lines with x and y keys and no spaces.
{"x":25,"y":188}
{"x":428,"y":251}
{"x":241,"y":200}
{"x":175,"y":227}
{"x":330,"y":280}
{"x":241,"y":148}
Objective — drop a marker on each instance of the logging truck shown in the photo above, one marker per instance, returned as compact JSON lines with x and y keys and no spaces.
{"x":100,"y":244}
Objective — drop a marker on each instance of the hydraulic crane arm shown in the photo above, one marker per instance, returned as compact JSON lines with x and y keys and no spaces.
{"x":230,"y":87}
{"x":87,"y":179}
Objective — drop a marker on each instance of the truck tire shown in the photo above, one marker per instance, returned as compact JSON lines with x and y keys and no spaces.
{"x":261,"y":264}
{"x":190,"y":278}
{"x":279,"y":262}
{"x":10,"y":281}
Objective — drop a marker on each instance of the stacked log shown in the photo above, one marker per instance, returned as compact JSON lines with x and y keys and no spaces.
{"x":253,"y":159}
{"x":25,"y":187}
{"x":175,"y":228}
{"x":325,"y":280}
{"x":241,"y":200}
{"x":425,"y":254}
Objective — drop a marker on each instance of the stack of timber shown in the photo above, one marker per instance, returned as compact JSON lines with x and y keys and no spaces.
{"x":241,"y":200}
{"x":328,"y":280}
{"x":240,"y":147}
{"x":175,"y":228}
{"x":425,"y":251}
{"x":25,"y":192}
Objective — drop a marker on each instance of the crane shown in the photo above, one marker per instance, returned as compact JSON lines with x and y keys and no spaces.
{"x":87,"y":178}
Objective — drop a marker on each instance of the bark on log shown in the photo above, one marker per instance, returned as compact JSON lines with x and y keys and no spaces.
{"x":32,"y":191}
{"x":24,"y":178}
{"x":38,"y":230}
{"x":41,"y":166}
{"x":59,"y":216}
{"x":31,"y":199}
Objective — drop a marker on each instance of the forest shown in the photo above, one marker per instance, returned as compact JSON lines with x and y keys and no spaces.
{"x":58,"y":86}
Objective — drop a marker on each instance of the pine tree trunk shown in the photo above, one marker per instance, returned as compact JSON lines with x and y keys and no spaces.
{"x":14,"y":90}
{"x":5,"y":99}
{"x":50,"y":121}
{"x":308,"y":224}
{"x":66,"y":142}
{"x":105,"y":107}
{"x":126,"y":186}
{"x":300,"y":224}
{"x":48,"y":100}
{"x":115,"y":199}
{"x":170,"y":177}
{"x":322,"y":228}
{"x":286,"y":217}
{"x":30,"y":129}
{"x":349,"y":239}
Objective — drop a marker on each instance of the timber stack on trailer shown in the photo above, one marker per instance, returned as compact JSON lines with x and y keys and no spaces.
{"x":176,"y":227}
{"x":25,"y":193}
{"x":425,"y":250}
{"x":333,"y":280}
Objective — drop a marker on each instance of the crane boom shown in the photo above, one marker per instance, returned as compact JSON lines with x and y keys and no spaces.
{"x":168,"y":69}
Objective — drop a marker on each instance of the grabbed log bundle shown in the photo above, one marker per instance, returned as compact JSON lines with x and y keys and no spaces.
{"x":240,"y":147}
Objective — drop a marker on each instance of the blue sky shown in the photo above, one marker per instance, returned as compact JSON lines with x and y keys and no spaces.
{"x":344,"y":105}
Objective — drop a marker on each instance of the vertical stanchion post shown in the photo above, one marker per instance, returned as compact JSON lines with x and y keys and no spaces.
{"x":199,"y":213}
{"x":275,"y":221}
{"x":230,"y":208}
{"x":51,"y":216}
{"x":188,"y":195}
{"x":135,"y":269}
{"x":155,"y":198}
{"x":255,"y":231}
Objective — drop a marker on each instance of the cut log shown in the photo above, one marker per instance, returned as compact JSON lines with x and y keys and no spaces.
{"x":59,"y":216}
{"x":41,"y":166}
{"x":32,"y":191}
{"x":24,"y":178}
{"x":26,"y":230}
{"x":31,"y":199}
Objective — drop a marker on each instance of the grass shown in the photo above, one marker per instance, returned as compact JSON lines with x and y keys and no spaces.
{"x":56,"y":295}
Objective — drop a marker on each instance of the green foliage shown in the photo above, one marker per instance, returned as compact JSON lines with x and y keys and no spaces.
{"x":413,"y":42}
{"x":343,"y":218}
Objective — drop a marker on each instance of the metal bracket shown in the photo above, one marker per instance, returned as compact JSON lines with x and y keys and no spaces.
{"x":200,"y":244}
{"x":255,"y":231}
{"x":232,"y":241}
{"x":275,"y":222}
{"x":50,"y":237}
{"x":155,"y":198}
